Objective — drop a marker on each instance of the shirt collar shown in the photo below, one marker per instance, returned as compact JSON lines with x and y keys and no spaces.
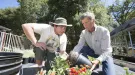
{"x":95,"y":27}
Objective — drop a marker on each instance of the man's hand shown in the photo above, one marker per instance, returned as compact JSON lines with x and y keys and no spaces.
{"x":95,"y":63}
{"x":63,"y":55}
{"x":41,"y":45}
{"x":62,"y":52}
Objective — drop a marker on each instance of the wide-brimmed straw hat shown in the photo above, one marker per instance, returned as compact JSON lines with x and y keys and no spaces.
{"x":60,"y":21}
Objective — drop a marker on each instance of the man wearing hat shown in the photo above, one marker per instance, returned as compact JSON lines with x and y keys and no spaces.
{"x":52,"y":39}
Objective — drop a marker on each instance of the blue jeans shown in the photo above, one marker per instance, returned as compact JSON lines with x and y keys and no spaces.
{"x":108,"y":65}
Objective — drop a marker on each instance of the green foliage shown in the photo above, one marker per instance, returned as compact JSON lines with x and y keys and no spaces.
{"x":91,"y":58}
{"x":102,"y":15}
{"x":127,"y":71}
{"x":123,"y":11}
{"x":29,"y":9}
{"x":43,"y":11}
{"x":59,"y":66}
{"x":9,"y":18}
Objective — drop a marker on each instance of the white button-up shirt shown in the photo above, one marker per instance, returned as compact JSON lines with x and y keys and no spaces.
{"x":98,"y":40}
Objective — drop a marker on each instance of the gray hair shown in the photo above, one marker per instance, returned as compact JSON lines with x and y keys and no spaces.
{"x":87,"y":14}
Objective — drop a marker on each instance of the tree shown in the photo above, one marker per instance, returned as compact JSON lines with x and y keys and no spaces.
{"x":123,"y":11}
{"x":29,"y":10}
{"x":7,"y":18}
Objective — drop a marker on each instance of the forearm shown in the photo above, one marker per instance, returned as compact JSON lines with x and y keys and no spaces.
{"x":104,"y":56}
{"x":105,"y":46}
{"x":80,"y":44}
{"x":78,"y":48}
{"x":29,"y":32}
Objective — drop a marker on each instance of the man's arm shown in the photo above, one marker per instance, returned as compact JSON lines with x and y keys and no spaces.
{"x":29,"y":32}
{"x":105,"y":46}
{"x":63,"y":43}
{"x":80,"y":44}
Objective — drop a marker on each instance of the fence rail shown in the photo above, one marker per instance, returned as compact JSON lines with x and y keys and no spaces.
{"x":10,"y":42}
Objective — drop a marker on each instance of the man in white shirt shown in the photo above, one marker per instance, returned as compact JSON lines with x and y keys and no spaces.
{"x":97,"y":39}
{"x":52,"y":39}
